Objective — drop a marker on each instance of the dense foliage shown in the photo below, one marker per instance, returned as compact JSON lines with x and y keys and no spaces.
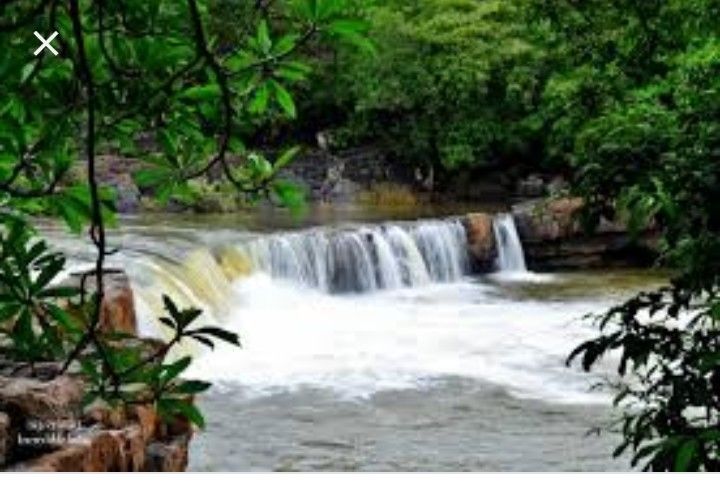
{"x":480,"y":84}
{"x":620,"y":96}
{"x":127,"y":73}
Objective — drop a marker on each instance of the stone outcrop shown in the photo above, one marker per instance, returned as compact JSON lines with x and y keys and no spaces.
{"x":343,"y":176}
{"x":45,"y":427}
{"x":117,"y":313}
{"x":481,"y":240}
{"x":7,"y":438}
{"x":553,"y":238}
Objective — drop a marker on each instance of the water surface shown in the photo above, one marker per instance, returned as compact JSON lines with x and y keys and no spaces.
{"x":368,"y":345}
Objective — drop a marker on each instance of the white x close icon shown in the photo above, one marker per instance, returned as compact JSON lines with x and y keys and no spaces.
{"x":46,"y":43}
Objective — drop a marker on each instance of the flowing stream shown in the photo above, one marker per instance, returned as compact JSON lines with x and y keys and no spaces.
{"x":370,"y":346}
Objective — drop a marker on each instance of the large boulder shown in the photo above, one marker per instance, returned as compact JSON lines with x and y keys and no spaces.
{"x":43,"y":427}
{"x":38,"y":414}
{"x":60,"y":398}
{"x":553,"y":237}
{"x":481,"y":239}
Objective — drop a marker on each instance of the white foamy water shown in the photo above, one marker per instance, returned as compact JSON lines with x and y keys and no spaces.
{"x":361,"y":344}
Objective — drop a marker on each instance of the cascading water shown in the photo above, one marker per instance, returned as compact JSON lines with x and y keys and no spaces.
{"x":419,"y":316}
{"x":510,"y":256}
{"x":363,"y":259}
{"x":415,"y":356}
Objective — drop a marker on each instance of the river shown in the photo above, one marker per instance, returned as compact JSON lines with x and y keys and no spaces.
{"x":369,"y":345}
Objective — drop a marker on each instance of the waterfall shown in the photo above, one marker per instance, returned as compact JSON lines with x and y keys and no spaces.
{"x":363,"y":259}
{"x":332,"y":260}
{"x":510,"y":256}
{"x":351,"y":259}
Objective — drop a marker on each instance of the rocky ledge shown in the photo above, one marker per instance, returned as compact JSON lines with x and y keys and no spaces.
{"x":554,"y":239}
{"x":44,"y":425}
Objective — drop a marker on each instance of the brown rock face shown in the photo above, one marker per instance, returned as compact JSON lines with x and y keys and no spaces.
{"x":7,"y":438}
{"x":43,"y":426}
{"x":170,"y":456}
{"x":553,"y":238}
{"x":481,"y":239}
{"x":117,"y":313}
{"x":38,"y":414}
{"x":95,"y":450}
{"x":59,"y":398}
{"x":118,"y":309}
{"x":129,"y":442}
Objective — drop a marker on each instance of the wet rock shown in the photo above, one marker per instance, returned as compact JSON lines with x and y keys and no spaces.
{"x":148,"y":420}
{"x":548,"y":220}
{"x":116,"y":172}
{"x":171,"y":456}
{"x":60,"y":398}
{"x":531,"y":186}
{"x":481,"y":240}
{"x":94,"y":450}
{"x":554,"y":238}
{"x":39,"y":413}
{"x":107,"y":440}
{"x":118,"y":308}
{"x":7,"y":438}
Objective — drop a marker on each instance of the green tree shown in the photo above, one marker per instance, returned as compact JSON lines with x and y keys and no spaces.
{"x":450,"y":86}
{"x":127,"y":70}
{"x":653,"y":155}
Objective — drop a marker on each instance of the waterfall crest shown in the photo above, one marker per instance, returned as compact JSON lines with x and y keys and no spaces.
{"x":332,"y":260}
{"x":357,"y":259}
{"x":363,"y":259}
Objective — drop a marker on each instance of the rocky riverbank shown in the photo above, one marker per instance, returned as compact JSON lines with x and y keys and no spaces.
{"x":367,"y":174}
{"x":553,"y":239}
{"x":45,"y":425}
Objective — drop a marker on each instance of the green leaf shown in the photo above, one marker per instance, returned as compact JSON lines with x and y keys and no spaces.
{"x":348,"y":27}
{"x":216,"y":332}
{"x":284,"y":99}
{"x":259,"y":103}
{"x":192,"y":387}
{"x":9,"y":311}
{"x":173,"y":370}
{"x":293,"y":71}
{"x":149,"y":177}
{"x":205,"y":341}
{"x":188,"y":316}
{"x":48,"y":273}
{"x":263,"y":36}
{"x":291,"y":196}
{"x":685,"y":455}
{"x":171,"y":307}
{"x":170,"y":406}
{"x":206,"y":92}
{"x":286,"y":157}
